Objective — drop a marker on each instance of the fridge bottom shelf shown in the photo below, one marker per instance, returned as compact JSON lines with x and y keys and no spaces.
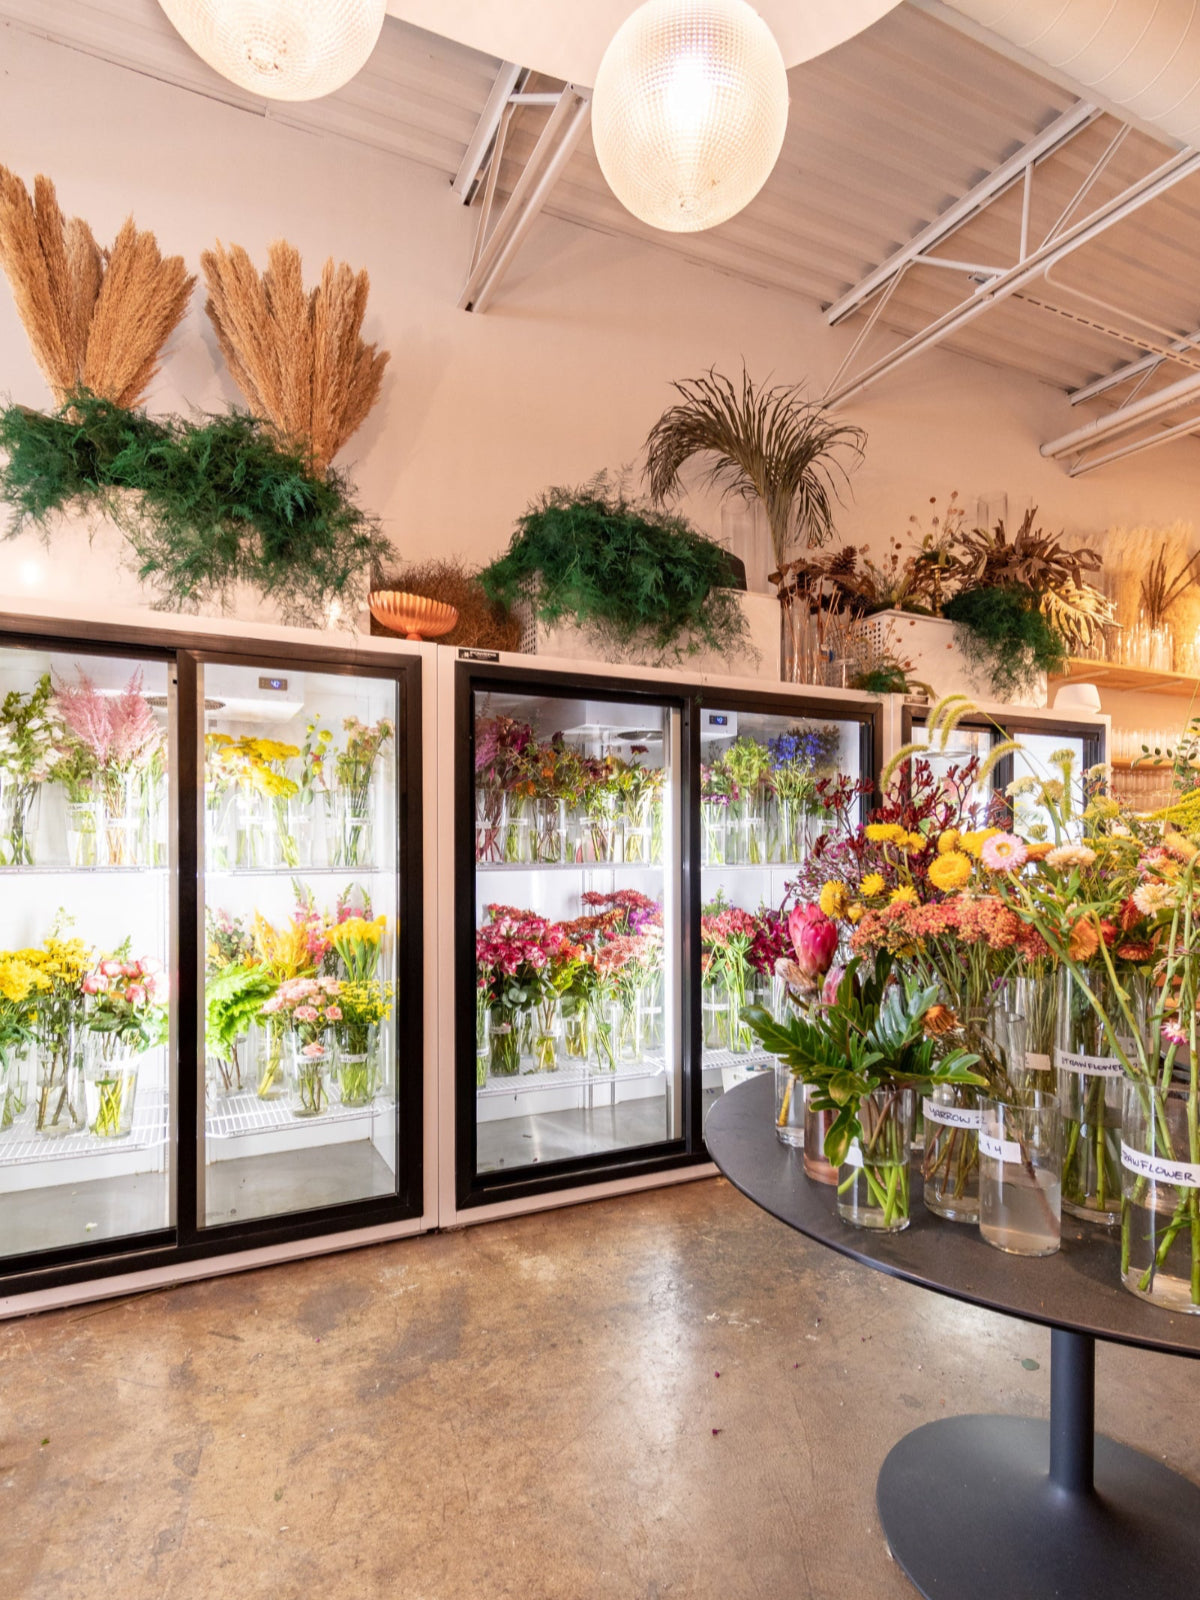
{"x":579,"y":1077}
{"x":22,"y":1145}
{"x":243,"y":1114}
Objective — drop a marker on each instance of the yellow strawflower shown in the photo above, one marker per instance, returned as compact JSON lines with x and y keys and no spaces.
{"x":886,"y":832}
{"x":872,"y":884}
{"x":974,"y":841}
{"x":905,"y":895}
{"x":833,"y":899}
{"x":914,"y":843}
{"x":950,"y":871}
{"x":855,"y":913}
{"x":948,"y":840}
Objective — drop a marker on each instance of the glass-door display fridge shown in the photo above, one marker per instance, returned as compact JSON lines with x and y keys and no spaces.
{"x":570,"y":938}
{"x":211,"y":980}
{"x":778,"y":782}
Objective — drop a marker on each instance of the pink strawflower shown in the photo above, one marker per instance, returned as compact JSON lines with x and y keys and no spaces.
{"x":1004,"y":852}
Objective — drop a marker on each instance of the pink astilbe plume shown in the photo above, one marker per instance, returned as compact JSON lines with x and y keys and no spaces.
{"x":118,"y":730}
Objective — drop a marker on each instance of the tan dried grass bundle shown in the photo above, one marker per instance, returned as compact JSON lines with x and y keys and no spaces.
{"x":1153,"y":574}
{"x":482,"y":623}
{"x":96,"y":319}
{"x":298,"y":356}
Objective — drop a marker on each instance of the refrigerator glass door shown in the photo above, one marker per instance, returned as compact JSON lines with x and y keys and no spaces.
{"x":1035,"y":760}
{"x":300,"y":897}
{"x":576,"y":848}
{"x":86,"y":1002}
{"x":771,"y":785}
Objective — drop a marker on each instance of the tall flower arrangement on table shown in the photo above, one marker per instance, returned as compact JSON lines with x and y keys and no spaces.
{"x":30,"y":730}
{"x":112,"y":764}
{"x":125,"y":1016}
{"x":354,"y":769}
{"x":20,"y":984}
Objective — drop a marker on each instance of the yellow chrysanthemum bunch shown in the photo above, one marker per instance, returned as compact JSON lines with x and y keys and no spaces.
{"x":950,"y":871}
{"x":20,"y":978}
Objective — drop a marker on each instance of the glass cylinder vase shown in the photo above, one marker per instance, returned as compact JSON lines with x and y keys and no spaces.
{"x":267,"y":1054}
{"x":873,"y":1182}
{"x":84,"y":833}
{"x":57,"y":1083}
{"x":714,"y":819}
{"x":356,"y":1073}
{"x":789,"y":1107}
{"x":1020,"y":1161}
{"x":311,"y":1069}
{"x":548,"y":831}
{"x":110,"y":1074}
{"x":714,"y":1011}
{"x":353,"y":840}
{"x":816,"y":1125}
{"x":504,"y":1041}
{"x":1090,"y":1087}
{"x":491,"y":824}
{"x":950,"y":1165}
{"x":14,"y":1071}
{"x":1160,"y":1215}
{"x":20,"y":809}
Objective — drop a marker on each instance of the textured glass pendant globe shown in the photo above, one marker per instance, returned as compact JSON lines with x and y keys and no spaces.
{"x":689,"y":111}
{"x":282,"y":49}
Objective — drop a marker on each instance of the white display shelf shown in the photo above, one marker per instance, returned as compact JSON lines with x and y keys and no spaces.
{"x":574,"y":1077}
{"x":63,"y":870}
{"x":568,"y":866}
{"x":716,"y":1060}
{"x":240,"y":1115}
{"x":299,"y":872}
{"x":22,"y":1146}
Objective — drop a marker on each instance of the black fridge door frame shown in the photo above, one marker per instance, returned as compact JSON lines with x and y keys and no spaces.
{"x":1011,"y":725}
{"x":186,"y":1242}
{"x":796,"y":706}
{"x":471,"y":1189}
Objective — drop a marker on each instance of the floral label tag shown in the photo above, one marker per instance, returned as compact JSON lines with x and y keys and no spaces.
{"x":1035,"y":1061}
{"x":853,"y":1156}
{"x":1184,"y":1174}
{"x":1006,"y":1150}
{"x":1088,"y":1066}
{"x":952,"y":1116}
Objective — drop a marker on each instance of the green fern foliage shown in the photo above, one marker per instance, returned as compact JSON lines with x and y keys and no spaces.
{"x":625,"y":572}
{"x":204,"y":505}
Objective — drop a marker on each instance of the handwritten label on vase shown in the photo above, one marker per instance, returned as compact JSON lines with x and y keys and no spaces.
{"x":952,"y":1116}
{"x":853,"y":1157}
{"x":1035,"y":1061}
{"x":1088,"y":1066}
{"x":1184,"y":1174}
{"x":1006,"y":1150}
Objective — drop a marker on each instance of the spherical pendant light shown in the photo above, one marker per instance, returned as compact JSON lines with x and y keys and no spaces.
{"x":283,"y":49}
{"x":689,"y":111}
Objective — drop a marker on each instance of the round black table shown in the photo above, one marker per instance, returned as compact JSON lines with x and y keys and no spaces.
{"x":996,"y":1507}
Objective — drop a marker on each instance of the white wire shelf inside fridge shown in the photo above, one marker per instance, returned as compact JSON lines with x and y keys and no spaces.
{"x":238,"y":1115}
{"x":63,"y":870}
{"x":21,"y":1144}
{"x":301,"y":872}
{"x":573,"y":1077}
{"x":568,"y":866}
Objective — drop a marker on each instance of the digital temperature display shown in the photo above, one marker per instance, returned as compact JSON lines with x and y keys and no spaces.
{"x":272,"y":683}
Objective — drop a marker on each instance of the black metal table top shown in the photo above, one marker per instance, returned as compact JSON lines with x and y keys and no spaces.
{"x":1079,"y":1288}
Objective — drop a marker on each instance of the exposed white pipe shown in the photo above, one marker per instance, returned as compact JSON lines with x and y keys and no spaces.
{"x":1140,"y":55}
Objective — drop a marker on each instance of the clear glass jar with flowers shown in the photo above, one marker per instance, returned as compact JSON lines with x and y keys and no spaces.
{"x":353,"y":798}
{"x":502,"y":752}
{"x":726,"y":937}
{"x":125,"y":1016}
{"x":356,"y":944}
{"x":285,"y":953}
{"x":112,"y":750}
{"x":30,"y":731}
{"x":63,"y":961}
{"x":309,"y":1009}
{"x":715,"y":787}
{"x":510,"y":959}
{"x":234,"y":996}
{"x":748,"y":764}
{"x":253,"y":773}
{"x":637,"y":790}
{"x":20,"y":984}
{"x":796,"y":758}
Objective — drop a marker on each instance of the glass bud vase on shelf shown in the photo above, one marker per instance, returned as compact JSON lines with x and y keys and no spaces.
{"x":714,"y":819}
{"x":110,"y":1074}
{"x":637,"y":844}
{"x":576,"y":1029}
{"x":714,"y":1010}
{"x":547,"y":1034}
{"x":14,"y":1070}
{"x":124,"y":820}
{"x":357,"y":1065}
{"x":873,"y":1183}
{"x":491,"y":825}
{"x":600,"y":827}
{"x":20,"y":809}
{"x":603,"y":1035}
{"x":226,"y":1074}
{"x":353,"y":842}
{"x":267,"y":1053}
{"x":1090,"y":1086}
{"x":57,"y":1083}
{"x":626,"y":1030}
{"x":1160,"y":1218}
{"x":548,"y":831}
{"x":505,"y":1041}
{"x":311,"y":1069}
{"x":84,"y":823}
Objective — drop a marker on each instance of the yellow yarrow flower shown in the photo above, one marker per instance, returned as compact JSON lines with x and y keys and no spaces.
{"x":872,"y":884}
{"x":905,"y":895}
{"x":886,"y":832}
{"x":948,"y":840}
{"x":833,"y":899}
{"x":950,"y":871}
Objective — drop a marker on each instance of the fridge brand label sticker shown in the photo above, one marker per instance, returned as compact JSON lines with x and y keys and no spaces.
{"x":1184,"y":1174}
{"x":1035,"y":1061}
{"x":1006,"y":1150}
{"x":1088,"y":1066}
{"x":952,"y":1116}
{"x":465,"y":653}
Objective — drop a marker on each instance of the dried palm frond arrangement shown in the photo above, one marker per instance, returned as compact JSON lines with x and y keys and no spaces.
{"x":206,"y":504}
{"x":297,"y":354}
{"x":482,"y":624}
{"x":96,"y":319}
{"x":759,"y":443}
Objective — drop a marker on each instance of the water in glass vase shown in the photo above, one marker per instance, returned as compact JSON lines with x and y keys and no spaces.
{"x":1160,"y":1214}
{"x":1020,"y":1162}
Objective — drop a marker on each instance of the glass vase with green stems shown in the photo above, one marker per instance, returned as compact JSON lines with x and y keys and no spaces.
{"x":748,"y":764}
{"x":731,"y":961}
{"x":638,"y":788}
{"x":1090,"y":1080}
{"x":233,"y":1002}
{"x":870,"y":1039}
{"x":794,"y":793}
{"x":354,"y":767}
{"x":364,"y":1005}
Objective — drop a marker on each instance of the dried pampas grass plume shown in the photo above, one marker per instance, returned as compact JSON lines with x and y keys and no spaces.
{"x":96,"y":319}
{"x":298,"y":356}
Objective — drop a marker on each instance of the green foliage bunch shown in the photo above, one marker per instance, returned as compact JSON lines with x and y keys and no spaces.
{"x":622,"y":570}
{"x":233,"y":1000}
{"x":205,"y":505}
{"x":871,"y":1037}
{"x":1006,"y":632}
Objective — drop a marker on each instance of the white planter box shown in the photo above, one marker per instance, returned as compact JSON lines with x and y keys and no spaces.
{"x":928,"y":647}
{"x":761,"y":611}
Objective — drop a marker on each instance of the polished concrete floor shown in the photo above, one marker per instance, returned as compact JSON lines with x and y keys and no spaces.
{"x":666,"y":1396}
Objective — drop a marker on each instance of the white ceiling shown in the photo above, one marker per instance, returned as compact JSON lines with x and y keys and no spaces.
{"x":566,"y":38}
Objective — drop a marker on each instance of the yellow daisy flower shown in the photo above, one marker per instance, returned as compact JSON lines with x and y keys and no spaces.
{"x":950,"y":871}
{"x":905,"y":895}
{"x":973,"y":842}
{"x":872,"y":884}
{"x":834,"y":899}
{"x":914,"y":843}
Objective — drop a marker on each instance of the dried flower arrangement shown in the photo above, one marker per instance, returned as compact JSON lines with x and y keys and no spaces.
{"x":96,"y":319}
{"x":297,"y":355}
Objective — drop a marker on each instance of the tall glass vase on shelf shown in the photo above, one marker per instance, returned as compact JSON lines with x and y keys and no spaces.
{"x":20,"y":811}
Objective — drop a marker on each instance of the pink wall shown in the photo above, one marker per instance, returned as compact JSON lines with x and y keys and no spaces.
{"x":563,"y":376}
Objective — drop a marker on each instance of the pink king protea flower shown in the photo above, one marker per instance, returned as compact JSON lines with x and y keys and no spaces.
{"x":814,"y":939}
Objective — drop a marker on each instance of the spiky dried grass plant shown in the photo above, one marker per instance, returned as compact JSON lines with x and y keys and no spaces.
{"x":482,"y":623}
{"x":96,"y":319}
{"x":297,"y":355}
{"x":769,"y":444}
